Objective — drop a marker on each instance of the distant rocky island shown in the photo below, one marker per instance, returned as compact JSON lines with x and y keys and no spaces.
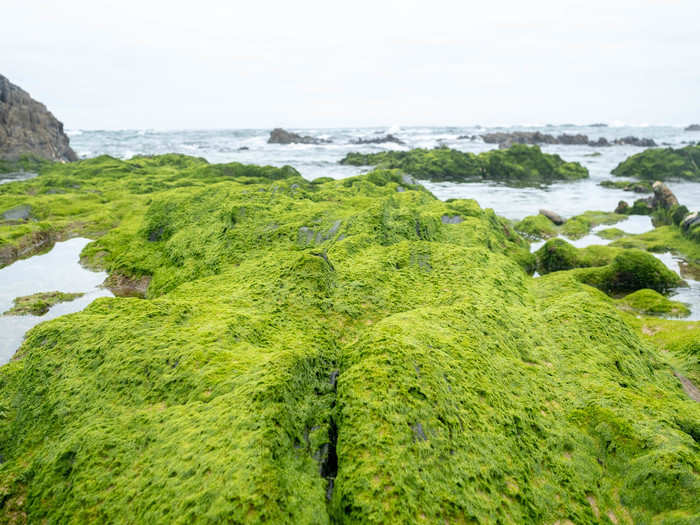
{"x":537,"y":137}
{"x":282,"y":136}
{"x":27,"y":128}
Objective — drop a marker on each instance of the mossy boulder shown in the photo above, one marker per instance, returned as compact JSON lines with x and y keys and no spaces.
{"x":557,"y":254}
{"x":650,"y":302}
{"x":611,"y":233}
{"x":519,"y":165}
{"x":662,"y":164}
{"x":536,"y":227}
{"x":632,"y":270}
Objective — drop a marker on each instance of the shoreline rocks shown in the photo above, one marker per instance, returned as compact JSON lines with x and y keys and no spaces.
{"x":28,"y":128}
{"x":281,"y":136}
{"x":693,"y":127}
{"x":553,"y":216}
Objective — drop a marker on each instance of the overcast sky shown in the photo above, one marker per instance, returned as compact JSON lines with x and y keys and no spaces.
{"x":168,"y":64}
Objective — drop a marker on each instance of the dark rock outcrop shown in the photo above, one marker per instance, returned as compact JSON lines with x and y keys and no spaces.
{"x":379,"y":140}
{"x":535,"y":137}
{"x":552,"y":216}
{"x":693,"y":127}
{"x":281,"y":136}
{"x":28,"y":128}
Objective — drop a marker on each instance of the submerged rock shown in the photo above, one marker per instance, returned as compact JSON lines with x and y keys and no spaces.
{"x":281,"y":136}
{"x":40,"y":303}
{"x":28,"y":128}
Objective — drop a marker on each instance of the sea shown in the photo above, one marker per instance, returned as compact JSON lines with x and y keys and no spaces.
{"x":250,"y":146}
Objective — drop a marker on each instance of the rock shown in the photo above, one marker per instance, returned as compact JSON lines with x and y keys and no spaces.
{"x":622,"y":207}
{"x":598,"y":125}
{"x":691,"y":220}
{"x":19,"y":213}
{"x":552,"y":216}
{"x":568,"y":140}
{"x":281,"y":136}
{"x":693,"y":127}
{"x":636,"y":141}
{"x":663,"y":196}
{"x":243,"y":148}
{"x":28,"y":128}
{"x":451,"y":219}
{"x":379,"y":140}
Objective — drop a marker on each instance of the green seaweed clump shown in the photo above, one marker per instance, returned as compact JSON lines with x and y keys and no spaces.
{"x":536,"y":227}
{"x":662,"y":164}
{"x":519,"y":165}
{"x":39,"y":303}
{"x":27,"y":163}
{"x":556,"y":255}
{"x":350,"y":351}
{"x":629,"y":271}
{"x":650,"y":302}
{"x":664,"y":239}
{"x":611,"y":233}
{"x":580,"y":225}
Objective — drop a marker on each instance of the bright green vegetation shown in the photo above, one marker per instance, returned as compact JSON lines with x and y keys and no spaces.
{"x":663,"y":239}
{"x":649,"y":302}
{"x":535,"y":227}
{"x":662,"y":164}
{"x":581,"y":225}
{"x":557,"y":254}
{"x":39,"y":303}
{"x":611,"y":233}
{"x":629,"y":271}
{"x":519,"y":165}
{"x":298,"y":332}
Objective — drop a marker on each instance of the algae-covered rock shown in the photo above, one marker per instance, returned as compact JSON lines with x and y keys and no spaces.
{"x":662,"y":164}
{"x":650,"y":302}
{"x":536,"y":227}
{"x":400,"y":368}
{"x":39,"y":303}
{"x":632,"y":270}
{"x":518,"y":164}
{"x":557,"y":254}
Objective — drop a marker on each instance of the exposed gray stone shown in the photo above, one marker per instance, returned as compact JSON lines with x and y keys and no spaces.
{"x":28,"y":128}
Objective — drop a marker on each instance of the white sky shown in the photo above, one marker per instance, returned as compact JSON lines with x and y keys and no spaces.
{"x":103,"y":64}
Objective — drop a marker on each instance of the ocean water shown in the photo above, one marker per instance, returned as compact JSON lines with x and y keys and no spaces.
{"x":314,"y":161}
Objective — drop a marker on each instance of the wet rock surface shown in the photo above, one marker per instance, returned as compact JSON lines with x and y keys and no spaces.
{"x":536,"y":137}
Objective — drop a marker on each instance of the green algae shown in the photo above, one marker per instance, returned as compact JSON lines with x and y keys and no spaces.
{"x":25,"y":163}
{"x":557,"y":254}
{"x":536,"y":227}
{"x":519,"y":165}
{"x":300,"y":334}
{"x":581,"y":225}
{"x":636,"y":187}
{"x":611,"y":233}
{"x":629,"y":271}
{"x":649,"y":302}
{"x":663,"y":239}
{"x":662,"y":164}
{"x":39,"y":303}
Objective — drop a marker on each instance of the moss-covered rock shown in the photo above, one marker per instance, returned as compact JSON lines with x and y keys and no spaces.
{"x":611,"y":233}
{"x":662,"y":164}
{"x":629,"y":271}
{"x":557,"y":254}
{"x":536,"y":227}
{"x":519,"y":164}
{"x":650,"y":302}
{"x":581,"y":225}
{"x":664,"y":239}
{"x":329,"y":353}
{"x":39,"y":303}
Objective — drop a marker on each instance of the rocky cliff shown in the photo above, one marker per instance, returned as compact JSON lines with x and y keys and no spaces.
{"x":27,"y":127}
